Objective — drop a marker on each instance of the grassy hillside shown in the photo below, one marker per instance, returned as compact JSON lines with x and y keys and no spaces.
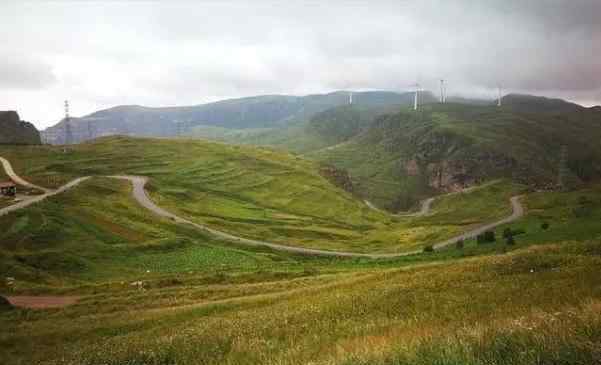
{"x":408,"y":155}
{"x":205,"y":301}
{"x":514,"y":308}
{"x":253,"y":192}
{"x":97,"y":232}
{"x":325,"y":129}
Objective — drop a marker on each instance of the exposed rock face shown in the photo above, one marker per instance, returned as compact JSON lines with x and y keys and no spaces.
{"x":15,"y":131}
{"x":338,"y":177}
{"x":455,"y":173}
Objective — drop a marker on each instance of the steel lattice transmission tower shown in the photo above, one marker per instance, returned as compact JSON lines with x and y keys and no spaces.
{"x":68,"y":133}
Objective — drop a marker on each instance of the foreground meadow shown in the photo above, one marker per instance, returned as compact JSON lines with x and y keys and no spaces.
{"x":533,"y":305}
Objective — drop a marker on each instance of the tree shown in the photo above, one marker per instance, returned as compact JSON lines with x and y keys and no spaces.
{"x":544,"y":226}
{"x":428,"y":248}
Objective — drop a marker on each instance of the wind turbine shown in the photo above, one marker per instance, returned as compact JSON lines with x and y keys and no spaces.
{"x":350,"y":98}
{"x":416,"y":98}
{"x":499,"y":93}
{"x":443,"y":96}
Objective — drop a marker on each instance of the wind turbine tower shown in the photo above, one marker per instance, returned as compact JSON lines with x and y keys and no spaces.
{"x":499,"y":96}
{"x":416,"y":97}
{"x":350,"y":98}
{"x":443,"y":96}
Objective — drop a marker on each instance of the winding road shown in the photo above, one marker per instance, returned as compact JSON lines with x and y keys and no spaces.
{"x":424,"y":209}
{"x":140,"y":195}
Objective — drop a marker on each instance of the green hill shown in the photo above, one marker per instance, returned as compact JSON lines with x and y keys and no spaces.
{"x":253,"y":192}
{"x":408,"y":155}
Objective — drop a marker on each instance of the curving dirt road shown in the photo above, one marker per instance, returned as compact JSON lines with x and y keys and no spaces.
{"x":139,"y":194}
{"x":17,"y":179}
{"x":35,"y":198}
{"x":424,"y":209}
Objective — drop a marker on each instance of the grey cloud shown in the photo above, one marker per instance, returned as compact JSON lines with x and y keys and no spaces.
{"x":21,"y":72}
{"x":158,"y":53}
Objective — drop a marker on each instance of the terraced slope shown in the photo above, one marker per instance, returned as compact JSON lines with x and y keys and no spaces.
{"x":255,"y":193}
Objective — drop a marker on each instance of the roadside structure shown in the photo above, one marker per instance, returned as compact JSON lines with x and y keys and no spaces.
{"x":8,"y":188}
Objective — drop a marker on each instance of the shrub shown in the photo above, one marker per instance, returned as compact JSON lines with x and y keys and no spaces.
{"x":509,"y":240}
{"x":459,"y":245}
{"x":517,"y":232}
{"x":507,"y":233}
{"x":544,"y":226}
{"x":486,"y":237}
{"x":428,"y":248}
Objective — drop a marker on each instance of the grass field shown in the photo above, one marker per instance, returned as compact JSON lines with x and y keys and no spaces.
{"x":204,"y":301}
{"x":253,"y":192}
{"x":535,"y":305}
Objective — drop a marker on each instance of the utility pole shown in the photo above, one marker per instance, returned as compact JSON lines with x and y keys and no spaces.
{"x":68,"y":134}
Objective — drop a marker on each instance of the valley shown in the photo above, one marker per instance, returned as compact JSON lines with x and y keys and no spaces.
{"x":185,"y":250}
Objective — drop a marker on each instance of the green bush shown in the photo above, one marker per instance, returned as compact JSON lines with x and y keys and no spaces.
{"x":486,"y":237}
{"x":544,"y":226}
{"x":459,"y":245}
{"x":429,"y":248}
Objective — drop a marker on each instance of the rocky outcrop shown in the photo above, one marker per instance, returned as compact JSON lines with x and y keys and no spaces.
{"x":15,"y":131}
{"x":456,"y":173}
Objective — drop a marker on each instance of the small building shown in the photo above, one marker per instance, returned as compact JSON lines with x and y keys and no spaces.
{"x":8,"y":188}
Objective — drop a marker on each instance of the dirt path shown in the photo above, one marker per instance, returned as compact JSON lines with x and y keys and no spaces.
{"x":41,"y":302}
{"x":423,"y":210}
{"x":17,"y":179}
{"x":37,"y":198}
{"x":140,"y":195}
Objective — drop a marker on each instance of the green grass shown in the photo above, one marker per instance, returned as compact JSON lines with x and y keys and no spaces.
{"x":96,"y":232}
{"x":484,"y":310}
{"x":211,"y":302}
{"x":482,"y":142}
{"x":253,"y":192}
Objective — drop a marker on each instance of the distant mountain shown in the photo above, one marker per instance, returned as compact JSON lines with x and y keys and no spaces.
{"x":15,"y":131}
{"x":331,"y":126}
{"x":257,"y":112}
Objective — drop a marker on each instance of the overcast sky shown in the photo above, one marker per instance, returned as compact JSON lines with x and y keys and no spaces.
{"x":102,"y":54}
